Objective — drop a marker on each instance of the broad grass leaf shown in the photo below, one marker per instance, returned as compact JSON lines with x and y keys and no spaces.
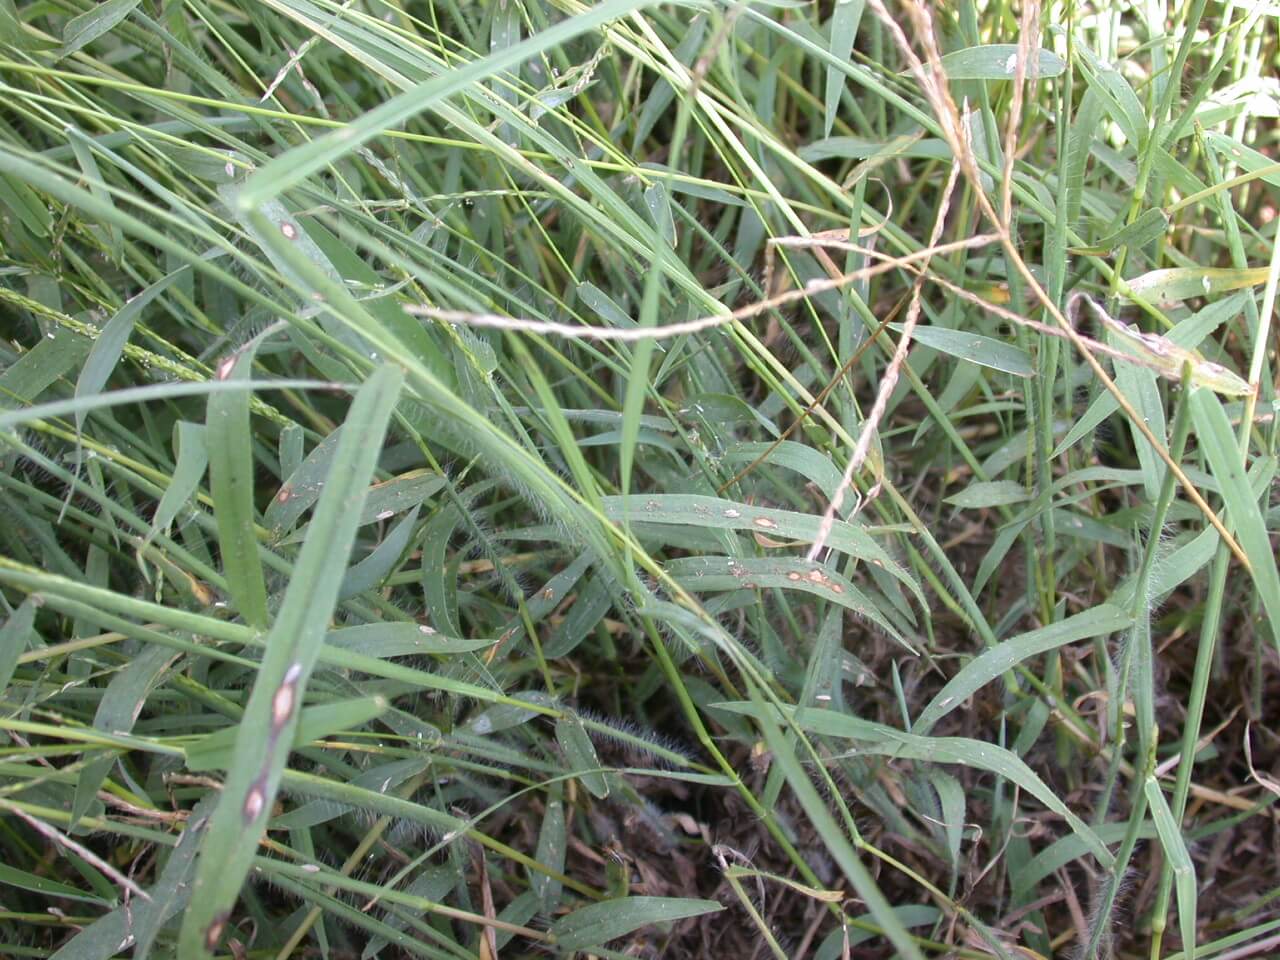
{"x":383,"y":500}
{"x":714,"y":513}
{"x":604,"y":306}
{"x":1187,"y":283}
{"x":94,"y":23}
{"x":1247,"y":157}
{"x":581,"y":754}
{"x":370,"y":572}
{"x":193,"y":459}
{"x":1115,"y":95}
{"x":996,"y":661}
{"x":401,"y":639}
{"x":703,"y":190}
{"x":439,"y":573}
{"x":379,"y":778}
{"x":118,"y":710}
{"x":999,"y":61}
{"x":844,"y":29}
{"x":292,"y":167}
{"x":835,"y":945}
{"x":1192,"y":556}
{"x":989,"y":493}
{"x":1141,"y":389}
{"x":519,"y":911}
{"x":592,"y":601}
{"x":1148,"y":226}
{"x":13,"y":877}
{"x":1184,"y":869}
{"x":661,"y":94}
{"x":106,"y":350}
{"x":975,"y":348}
{"x":879,"y":739}
{"x":658,"y":206}
{"x":432,"y":883}
{"x":641,"y":354}
{"x":596,"y":924}
{"x":82,"y":147}
{"x":857,"y":148}
{"x":42,"y":366}
{"x":815,"y":466}
{"x":951,"y":799}
{"x":25,"y":205}
{"x":504,"y":716}
{"x":1217,"y":441}
{"x":824,"y":676}
{"x":138,"y":922}
{"x":834,"y":838}
{"x":1065,"y":850}
{"x":553,"y":845}
{"x":218,"y":751}
{"x":228,"y":438}
{"x":14,"y":637}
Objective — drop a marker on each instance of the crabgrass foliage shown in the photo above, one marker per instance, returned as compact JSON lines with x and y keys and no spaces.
{"x":545,"y":478}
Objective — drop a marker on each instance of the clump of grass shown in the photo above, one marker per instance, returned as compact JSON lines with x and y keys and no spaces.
{"x":634,"y":480}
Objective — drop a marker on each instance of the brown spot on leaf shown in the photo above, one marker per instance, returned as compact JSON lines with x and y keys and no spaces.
{"x":214,"y":933}
{"x":255,"y":801}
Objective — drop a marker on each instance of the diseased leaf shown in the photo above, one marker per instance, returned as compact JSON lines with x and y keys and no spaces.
{"x":714,"y":513}
{"x":1186,"y":283}
{"x":400,"y":639}
{"x":265,"y":735}
{"x":727,"y":573}
{"x":999,"y":61}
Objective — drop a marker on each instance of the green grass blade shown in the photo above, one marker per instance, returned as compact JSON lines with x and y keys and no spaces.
{"x":286,"y":171}
{"x":265,"y":737}
{"x":1094,"y":622}
{"x":1213,"y":429}
{"x":1184,"y":870}
{"x":228,"y":438}
{"x":597,"y":924}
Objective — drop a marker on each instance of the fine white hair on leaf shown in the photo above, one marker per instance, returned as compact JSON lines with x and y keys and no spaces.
{"x":634,"y":738}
